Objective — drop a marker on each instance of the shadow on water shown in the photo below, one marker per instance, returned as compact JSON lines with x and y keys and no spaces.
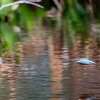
{"x":42,"y":75}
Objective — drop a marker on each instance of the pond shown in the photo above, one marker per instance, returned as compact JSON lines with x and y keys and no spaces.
{"x":45,"y":74}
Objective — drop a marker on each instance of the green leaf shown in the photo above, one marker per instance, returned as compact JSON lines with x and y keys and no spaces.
{"x":41,"y":12}
{"x":7,"y":34}
{"x":28,"y":16}
{"x":5,"y":10}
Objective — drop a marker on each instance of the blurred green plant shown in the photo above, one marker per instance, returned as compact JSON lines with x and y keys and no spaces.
{"x":77,"y":19}
{"x":20,"y":16}
{"x":8,"y":36}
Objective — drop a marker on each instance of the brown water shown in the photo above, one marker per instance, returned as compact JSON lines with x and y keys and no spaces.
{"x":43,"y":75}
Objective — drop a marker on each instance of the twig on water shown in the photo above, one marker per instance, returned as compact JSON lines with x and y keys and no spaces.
{"x":20,"y":2}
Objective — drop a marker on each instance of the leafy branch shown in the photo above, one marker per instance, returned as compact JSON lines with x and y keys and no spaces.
{"x":21,"y":2}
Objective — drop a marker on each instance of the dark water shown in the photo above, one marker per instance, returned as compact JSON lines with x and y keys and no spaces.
{"x":43,"y":76}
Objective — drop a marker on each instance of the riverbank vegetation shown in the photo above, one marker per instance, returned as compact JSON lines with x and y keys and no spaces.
{"x":68,"y":22}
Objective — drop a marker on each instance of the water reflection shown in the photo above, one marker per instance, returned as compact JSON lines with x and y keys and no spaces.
{"x":42,"y":75}
{"x":56,"y":71}
{"x":56,"y":78}
{"x":9,"y":78}
{"x":83,"y":76}
{"x":34,"y":77}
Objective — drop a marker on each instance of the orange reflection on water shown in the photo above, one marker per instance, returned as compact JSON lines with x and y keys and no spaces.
{"x":11,"y":74}
{"x":56,"y":68}
{"x":56,"y":78}
{"x":12,"y":79}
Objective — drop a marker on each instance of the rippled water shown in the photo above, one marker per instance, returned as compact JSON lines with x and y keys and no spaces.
{"x":43,"y":76}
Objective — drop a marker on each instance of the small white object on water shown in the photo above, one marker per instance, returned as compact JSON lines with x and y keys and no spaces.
{"x":1,"y":62}
{"x":84,"y":61}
